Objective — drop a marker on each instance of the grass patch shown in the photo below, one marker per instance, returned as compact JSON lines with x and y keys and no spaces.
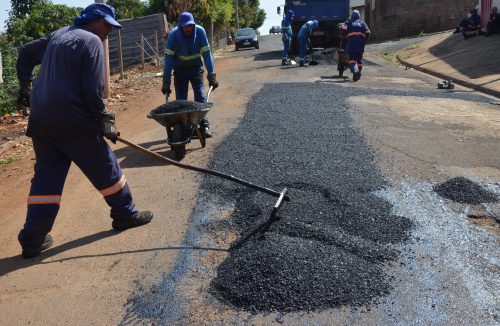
{"x":10,"y":159}
{"x":390,"y":56}
{"x":413,"y":46}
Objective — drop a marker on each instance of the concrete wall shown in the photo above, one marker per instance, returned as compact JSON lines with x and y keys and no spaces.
{"x":392,"y":19}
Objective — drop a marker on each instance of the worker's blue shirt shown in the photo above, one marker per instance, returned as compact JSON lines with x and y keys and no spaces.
{"x":286,"y":27}
{"x":306,"y":29}
{"x":357,"y":33}
{"x":67,"y":95}
{"x":474,"y":21}
{"x":186,"y":51}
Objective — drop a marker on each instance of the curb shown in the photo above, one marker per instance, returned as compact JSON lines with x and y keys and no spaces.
{"x":461,"y":82}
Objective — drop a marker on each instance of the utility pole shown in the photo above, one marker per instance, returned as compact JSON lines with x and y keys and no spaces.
{"x":106,"y":62}
{"x":237,"y":15}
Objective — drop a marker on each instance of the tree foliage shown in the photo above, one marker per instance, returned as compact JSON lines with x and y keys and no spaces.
{"x":43,"y":19}
{"x":127,"y":9}
{"x":28,"y":20}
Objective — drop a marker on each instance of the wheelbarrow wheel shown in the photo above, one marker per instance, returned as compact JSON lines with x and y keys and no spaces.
{"x":179,"y":151}
{"x":177,"y":135}
{"x":340,"y":68}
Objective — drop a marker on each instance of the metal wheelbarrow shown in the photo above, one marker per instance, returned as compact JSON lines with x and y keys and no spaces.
{"x":182,"y":120}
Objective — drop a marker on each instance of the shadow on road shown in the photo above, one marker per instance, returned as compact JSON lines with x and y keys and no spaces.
{"x":11,"y":264}
{"x":266,"y":56}
{"x":132,"y":158}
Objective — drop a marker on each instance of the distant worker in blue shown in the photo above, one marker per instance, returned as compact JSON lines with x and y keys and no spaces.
{"x":304,"y":38}
{"x":186,"y":44}
{"x":286,"y":36}
{"x":67,"y":123}
{"x":470,"y":24}
{"x":356,"y":34}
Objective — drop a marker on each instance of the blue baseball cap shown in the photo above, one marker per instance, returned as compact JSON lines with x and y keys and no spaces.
{"x":96,"y":11}
{"x":186,"y":19}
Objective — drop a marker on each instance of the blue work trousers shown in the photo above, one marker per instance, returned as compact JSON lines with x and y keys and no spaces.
{"x":355,"y":49}
{"x":90,"y":152}
{"x":286,"y":48}
{"x":182,"y":78}
{"x":303,"y":46}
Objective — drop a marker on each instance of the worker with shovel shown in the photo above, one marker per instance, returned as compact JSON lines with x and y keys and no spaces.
{"x":357,"y":34}
{"x":186,"y":44}
{"x":304,"y":38}
{"x":286,"y":36}
{"x":67,"y":123}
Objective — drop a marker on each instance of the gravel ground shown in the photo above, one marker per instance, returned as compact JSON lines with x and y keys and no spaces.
{"x":337,"y":242}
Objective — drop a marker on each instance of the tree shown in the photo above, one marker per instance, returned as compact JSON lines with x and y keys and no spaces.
{"x":127,"y":9}
{"x":250,"y":15}
{"x":20,"y":9}
{"x":43,"y":19}
{"x":37,"y":19}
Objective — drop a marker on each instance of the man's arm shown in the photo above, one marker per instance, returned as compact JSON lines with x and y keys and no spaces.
{"x":30,"y":55}
{"x":169,"y":60}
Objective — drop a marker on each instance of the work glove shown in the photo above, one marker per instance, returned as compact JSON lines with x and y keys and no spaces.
{"x":108,"y":127}
{"x":165,"y":88}
{"x":212,"y":81}
{"x":23,"y":100}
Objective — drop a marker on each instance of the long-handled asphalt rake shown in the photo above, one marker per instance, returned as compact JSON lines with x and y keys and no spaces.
{"x":282,"y":196}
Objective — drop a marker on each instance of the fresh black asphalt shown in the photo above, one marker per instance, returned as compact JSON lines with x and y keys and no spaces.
{"x":332,"y":244}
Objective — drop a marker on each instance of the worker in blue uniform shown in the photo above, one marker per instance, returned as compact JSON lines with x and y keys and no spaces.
{"x":67,"y":123}
{"x":304,"y":38}
{"x":186,"y":44}
{"x":357,"y":34}
{"x":286,"y":36}
{"x":470,"y":24}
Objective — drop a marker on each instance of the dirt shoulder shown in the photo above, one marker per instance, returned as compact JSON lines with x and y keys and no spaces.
{"x":474,"y":61}
{"x":91,"y":269}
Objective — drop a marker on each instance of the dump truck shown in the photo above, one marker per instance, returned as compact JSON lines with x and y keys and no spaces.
{"x":329,"y":13}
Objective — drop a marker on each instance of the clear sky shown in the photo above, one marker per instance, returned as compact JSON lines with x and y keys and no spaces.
{"x":272,"y":18}
{"x":5,"y":8}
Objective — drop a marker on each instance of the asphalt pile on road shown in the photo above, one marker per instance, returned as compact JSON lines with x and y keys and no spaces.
{"x":333,"y":240}
{"x":180,"y":106}
{"x":465,"y":191}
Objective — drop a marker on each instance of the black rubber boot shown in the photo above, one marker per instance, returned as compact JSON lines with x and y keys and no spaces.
{"x":144,"y":217}
{"x":30,"y":252}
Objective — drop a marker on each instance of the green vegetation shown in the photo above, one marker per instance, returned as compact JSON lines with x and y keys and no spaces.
{"x":32,"y":19}
{"x":10,"y":159}
{"x":390,"y":56}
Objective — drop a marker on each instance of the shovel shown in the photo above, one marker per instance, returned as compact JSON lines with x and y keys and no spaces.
{"x":282,"y":196}
{"x":313,"y":62}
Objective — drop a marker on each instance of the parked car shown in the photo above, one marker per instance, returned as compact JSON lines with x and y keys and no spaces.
{"x":246,"y":38}
{"x":275,"y":30}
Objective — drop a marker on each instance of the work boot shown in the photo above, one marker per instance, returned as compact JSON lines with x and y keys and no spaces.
{"x":144,"y":217}
{"x":30,"y":252}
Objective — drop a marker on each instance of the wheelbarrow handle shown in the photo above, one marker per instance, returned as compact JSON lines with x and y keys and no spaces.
{"x":209,"y":91}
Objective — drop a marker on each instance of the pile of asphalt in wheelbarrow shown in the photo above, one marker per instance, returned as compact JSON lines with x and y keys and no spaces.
{"x":465,"y":191}
{"x":180,"y":106}
{"x":332,"y":243}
